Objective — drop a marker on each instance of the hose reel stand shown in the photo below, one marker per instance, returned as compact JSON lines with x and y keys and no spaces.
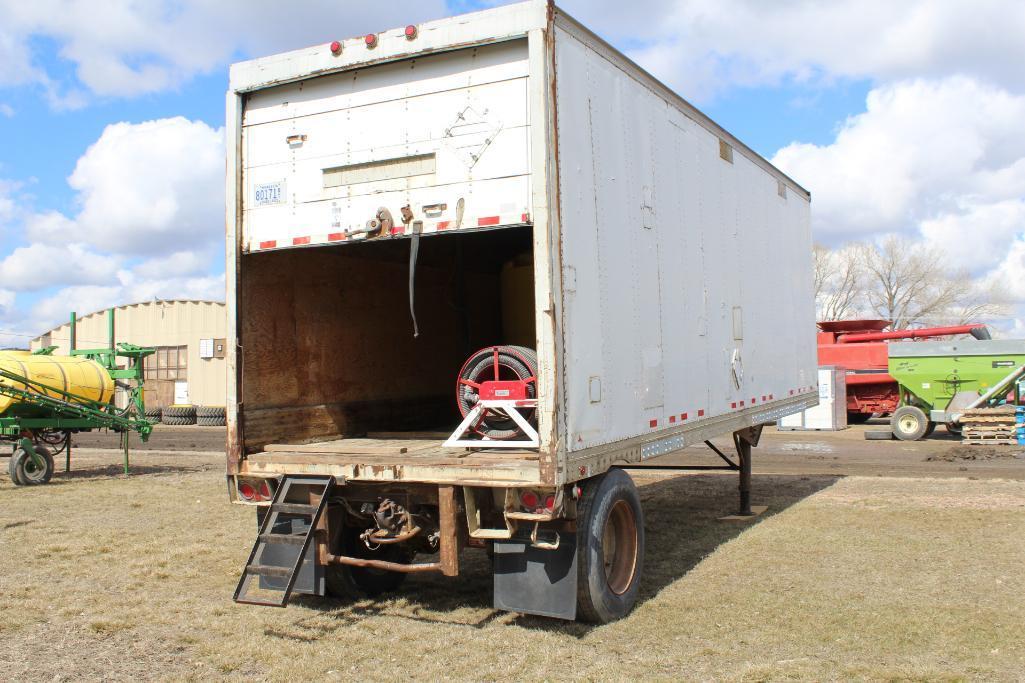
{"x":497,"y":396}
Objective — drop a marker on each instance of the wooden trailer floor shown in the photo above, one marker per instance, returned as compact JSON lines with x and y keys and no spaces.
{"x":396,"y":457}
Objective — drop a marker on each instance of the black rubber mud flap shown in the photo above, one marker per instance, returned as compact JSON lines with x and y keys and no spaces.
{"x":535,"y":581}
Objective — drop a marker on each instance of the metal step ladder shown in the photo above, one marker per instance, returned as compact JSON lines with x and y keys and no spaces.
{"x":281,"y":548}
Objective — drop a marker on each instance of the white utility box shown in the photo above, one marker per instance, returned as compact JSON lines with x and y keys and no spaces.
{"x":831,"y":412}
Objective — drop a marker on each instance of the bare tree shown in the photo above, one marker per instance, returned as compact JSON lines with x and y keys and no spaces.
{"x":839,"y":281}
{"x":978,"y":302}
{"x":900,"y":280}
{"x":909,"y":284}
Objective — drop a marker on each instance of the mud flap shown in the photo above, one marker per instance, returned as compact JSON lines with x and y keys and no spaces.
{"x":535,"y":581}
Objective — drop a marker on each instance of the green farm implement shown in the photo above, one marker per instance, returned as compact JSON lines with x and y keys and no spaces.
{"x":939,"y":381}
{"x":45,"y":398}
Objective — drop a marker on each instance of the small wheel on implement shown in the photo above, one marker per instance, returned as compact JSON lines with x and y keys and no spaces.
{"x":610,"y":547}
{"x":25,"y":472}
{"x":954,"y":429}
{"x":343,"y":581}
{"x":910,"y":423}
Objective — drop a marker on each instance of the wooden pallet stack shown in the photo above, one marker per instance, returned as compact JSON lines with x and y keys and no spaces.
{"x":1002,"y":425}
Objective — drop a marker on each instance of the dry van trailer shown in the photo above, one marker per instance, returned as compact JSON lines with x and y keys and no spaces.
{"x":520,"y":187}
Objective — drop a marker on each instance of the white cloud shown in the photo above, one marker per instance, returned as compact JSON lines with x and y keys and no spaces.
{"x":923,"y":154}
{"x":6,"y":110}
{"x":975,"y":236}
{"x":149,"y":224}
{"x":178,"y":264}
{"x":127,"y":49}
{"x":705,"y":46}
{"x":7,"y":203}
{"x":145,"y":188}
{"x":39,"y":266}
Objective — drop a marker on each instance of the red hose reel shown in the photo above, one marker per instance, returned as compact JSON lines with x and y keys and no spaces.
{"x":497,"y":375}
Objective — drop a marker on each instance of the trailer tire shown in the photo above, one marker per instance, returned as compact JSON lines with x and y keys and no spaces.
{"x":176,"y":421}
{"x":343,"y":581}
{"x":909,"y":423}
{"x":153,"y":413}
{"x":609,"y":514}
{"x":930,"y":428}
{"x":25,"y":473}
{"x":879,"y":435}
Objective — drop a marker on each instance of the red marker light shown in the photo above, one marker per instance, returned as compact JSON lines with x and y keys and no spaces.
{"x":265,"y":492}
{"x":336,"y":48}
{"x":371,"y":40}
{"x":550,"y":502}
{"x":411,"y":32}
{"x":247,"y":491}
{"x":529,"y":500}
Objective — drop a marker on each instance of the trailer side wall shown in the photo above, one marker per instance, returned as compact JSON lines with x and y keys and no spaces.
{"x":686,"y":261}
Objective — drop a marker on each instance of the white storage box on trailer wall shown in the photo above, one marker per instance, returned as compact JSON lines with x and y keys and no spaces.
{"x":523,"y":188}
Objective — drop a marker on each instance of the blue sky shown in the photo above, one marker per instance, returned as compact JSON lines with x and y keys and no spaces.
{"x":833,"y":92}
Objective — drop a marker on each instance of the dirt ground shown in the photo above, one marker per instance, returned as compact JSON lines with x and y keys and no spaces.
{"x":876,"y":560}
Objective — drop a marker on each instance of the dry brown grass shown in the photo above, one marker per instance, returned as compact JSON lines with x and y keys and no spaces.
{"x":106,"y":577}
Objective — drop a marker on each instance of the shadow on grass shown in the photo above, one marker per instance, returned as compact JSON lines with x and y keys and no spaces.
{"x":682,"y":527}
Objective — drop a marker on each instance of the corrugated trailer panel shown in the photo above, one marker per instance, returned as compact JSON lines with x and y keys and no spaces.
{"x":685,"y":274}
{"x":447,"y":135}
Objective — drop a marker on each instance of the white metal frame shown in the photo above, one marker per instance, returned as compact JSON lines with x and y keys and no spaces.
{"x":509,"y":409}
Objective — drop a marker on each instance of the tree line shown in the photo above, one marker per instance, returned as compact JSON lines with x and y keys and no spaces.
{"x":900,"y":280}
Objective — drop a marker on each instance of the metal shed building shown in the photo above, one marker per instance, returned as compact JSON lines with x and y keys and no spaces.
{"x":189,"y":365}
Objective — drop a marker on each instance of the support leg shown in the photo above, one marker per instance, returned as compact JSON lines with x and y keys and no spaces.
{"x":744,"y":455}
{"x":125,"y":437}
{"x":67,"y":455}
{"x":744,"y":440}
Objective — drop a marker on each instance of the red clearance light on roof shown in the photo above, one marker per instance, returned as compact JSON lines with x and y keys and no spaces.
{"x":411,"y":32}
{"x":371,"y":40}
{"x":336,"y":48}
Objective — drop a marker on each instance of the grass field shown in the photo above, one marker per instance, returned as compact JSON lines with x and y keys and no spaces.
{"x":128,"y":578}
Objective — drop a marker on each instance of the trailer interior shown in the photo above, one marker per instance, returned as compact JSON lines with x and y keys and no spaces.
{"x":332,"y":374}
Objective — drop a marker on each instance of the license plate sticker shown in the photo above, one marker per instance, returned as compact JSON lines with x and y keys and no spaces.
{"x":269,"y":194}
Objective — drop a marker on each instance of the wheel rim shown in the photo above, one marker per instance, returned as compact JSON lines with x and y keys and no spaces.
{"x":908,"y":424}
{"x":31,"y":471}
{"x":619,"y":547}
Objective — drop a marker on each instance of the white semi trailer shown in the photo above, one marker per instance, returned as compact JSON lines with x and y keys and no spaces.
{"x":626,"y":277}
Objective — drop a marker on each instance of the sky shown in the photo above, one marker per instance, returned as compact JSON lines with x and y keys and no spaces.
{"x":900,"y":118}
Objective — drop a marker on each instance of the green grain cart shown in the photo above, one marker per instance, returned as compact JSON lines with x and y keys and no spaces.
{"x":940,"y":380}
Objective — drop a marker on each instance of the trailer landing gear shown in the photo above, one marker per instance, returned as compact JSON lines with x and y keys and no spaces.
{"x":744,"y":440}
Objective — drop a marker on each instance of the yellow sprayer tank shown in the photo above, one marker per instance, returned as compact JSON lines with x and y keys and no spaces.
{"x":73,"y":374}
